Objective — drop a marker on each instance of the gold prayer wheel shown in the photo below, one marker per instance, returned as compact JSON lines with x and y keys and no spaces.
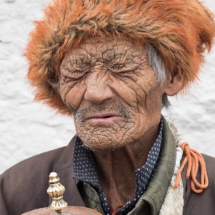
{"x":70,"y":210}
{"x":58,"y":205}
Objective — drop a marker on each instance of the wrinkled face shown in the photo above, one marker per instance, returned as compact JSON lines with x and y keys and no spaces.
{"x":112,"y":91}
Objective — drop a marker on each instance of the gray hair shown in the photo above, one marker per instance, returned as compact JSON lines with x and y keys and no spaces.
{"x":157,"y":64}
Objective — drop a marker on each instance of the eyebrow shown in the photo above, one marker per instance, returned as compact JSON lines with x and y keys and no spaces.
{"x":104,"y":58}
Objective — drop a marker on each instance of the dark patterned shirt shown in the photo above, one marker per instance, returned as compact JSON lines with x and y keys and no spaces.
{"x":85,"y":170}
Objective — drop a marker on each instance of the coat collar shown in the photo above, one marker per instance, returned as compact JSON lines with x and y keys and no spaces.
{"x":157,"y":189}
{"x":64,"y":170}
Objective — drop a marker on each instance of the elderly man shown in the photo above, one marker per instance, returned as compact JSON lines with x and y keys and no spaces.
{"x":111,"y":64}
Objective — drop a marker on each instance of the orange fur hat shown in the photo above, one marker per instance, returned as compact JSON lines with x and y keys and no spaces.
{"x":180,"y":30}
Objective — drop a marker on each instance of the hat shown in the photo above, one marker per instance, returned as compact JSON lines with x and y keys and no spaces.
{"x":180,"y":30}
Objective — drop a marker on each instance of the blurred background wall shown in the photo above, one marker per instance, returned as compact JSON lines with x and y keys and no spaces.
{"x":28,"y":128}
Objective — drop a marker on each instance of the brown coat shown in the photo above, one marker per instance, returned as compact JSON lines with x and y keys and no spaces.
{"x":23,"y":187}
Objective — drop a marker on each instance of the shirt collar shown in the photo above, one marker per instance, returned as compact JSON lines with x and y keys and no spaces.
{"x":84,"y":167}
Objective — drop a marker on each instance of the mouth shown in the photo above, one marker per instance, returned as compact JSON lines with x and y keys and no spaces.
{"x":102,"y":116}
{"x":102,"y":119}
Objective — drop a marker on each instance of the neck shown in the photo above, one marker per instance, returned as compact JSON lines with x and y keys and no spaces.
{"x":116,"y":168}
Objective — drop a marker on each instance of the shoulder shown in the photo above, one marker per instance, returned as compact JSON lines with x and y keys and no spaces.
{"x":26,"y":182}
{"x":210,"y":167}
{"x":202,"y":203}
{"x":35,"y":164}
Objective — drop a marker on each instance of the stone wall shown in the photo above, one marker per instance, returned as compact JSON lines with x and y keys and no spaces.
{"x":28,"y":128}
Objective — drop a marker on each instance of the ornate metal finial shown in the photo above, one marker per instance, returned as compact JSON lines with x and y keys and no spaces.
{"x":56,"y":191}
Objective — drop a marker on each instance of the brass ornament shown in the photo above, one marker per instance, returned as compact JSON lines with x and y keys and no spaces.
{"x":56,"y":191}
{"x":70,"y":210}
{"x":58,"y":205}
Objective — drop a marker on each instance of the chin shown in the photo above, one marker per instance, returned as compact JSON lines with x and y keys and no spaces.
{"x":109,"y":142}
{"x":107,"y":137}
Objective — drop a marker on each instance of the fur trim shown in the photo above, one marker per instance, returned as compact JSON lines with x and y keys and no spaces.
{"x":180,"y":30}
{"x":174,"y":200}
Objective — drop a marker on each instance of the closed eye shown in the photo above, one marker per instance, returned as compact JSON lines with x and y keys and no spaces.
{"x":76,"y":75}
{"x":122,"y":68}
{"x":117,"y":66}
{"x":121,"y":71}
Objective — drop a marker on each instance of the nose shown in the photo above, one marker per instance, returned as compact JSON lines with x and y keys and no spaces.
{"x":97,"y":89}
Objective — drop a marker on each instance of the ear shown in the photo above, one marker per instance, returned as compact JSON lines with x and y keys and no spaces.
{"x":174,"y":84}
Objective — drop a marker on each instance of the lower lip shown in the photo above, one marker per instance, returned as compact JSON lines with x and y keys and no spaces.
{"x":103,"y":121}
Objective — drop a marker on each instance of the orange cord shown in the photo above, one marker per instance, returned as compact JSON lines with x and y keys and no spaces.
{"x":193,"y":159}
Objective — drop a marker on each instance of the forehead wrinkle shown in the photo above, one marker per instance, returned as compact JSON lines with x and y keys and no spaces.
{"x":119,"y":48}
{"x":92,"y":51}
{"x":123,"y":56}
{"x":118,"y":54}
{"x":85,"y":51}
{"x":102,"y":47}
{"x":127,"y":52}
{"x":108,"y":55}
{"x":80,"y":57}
